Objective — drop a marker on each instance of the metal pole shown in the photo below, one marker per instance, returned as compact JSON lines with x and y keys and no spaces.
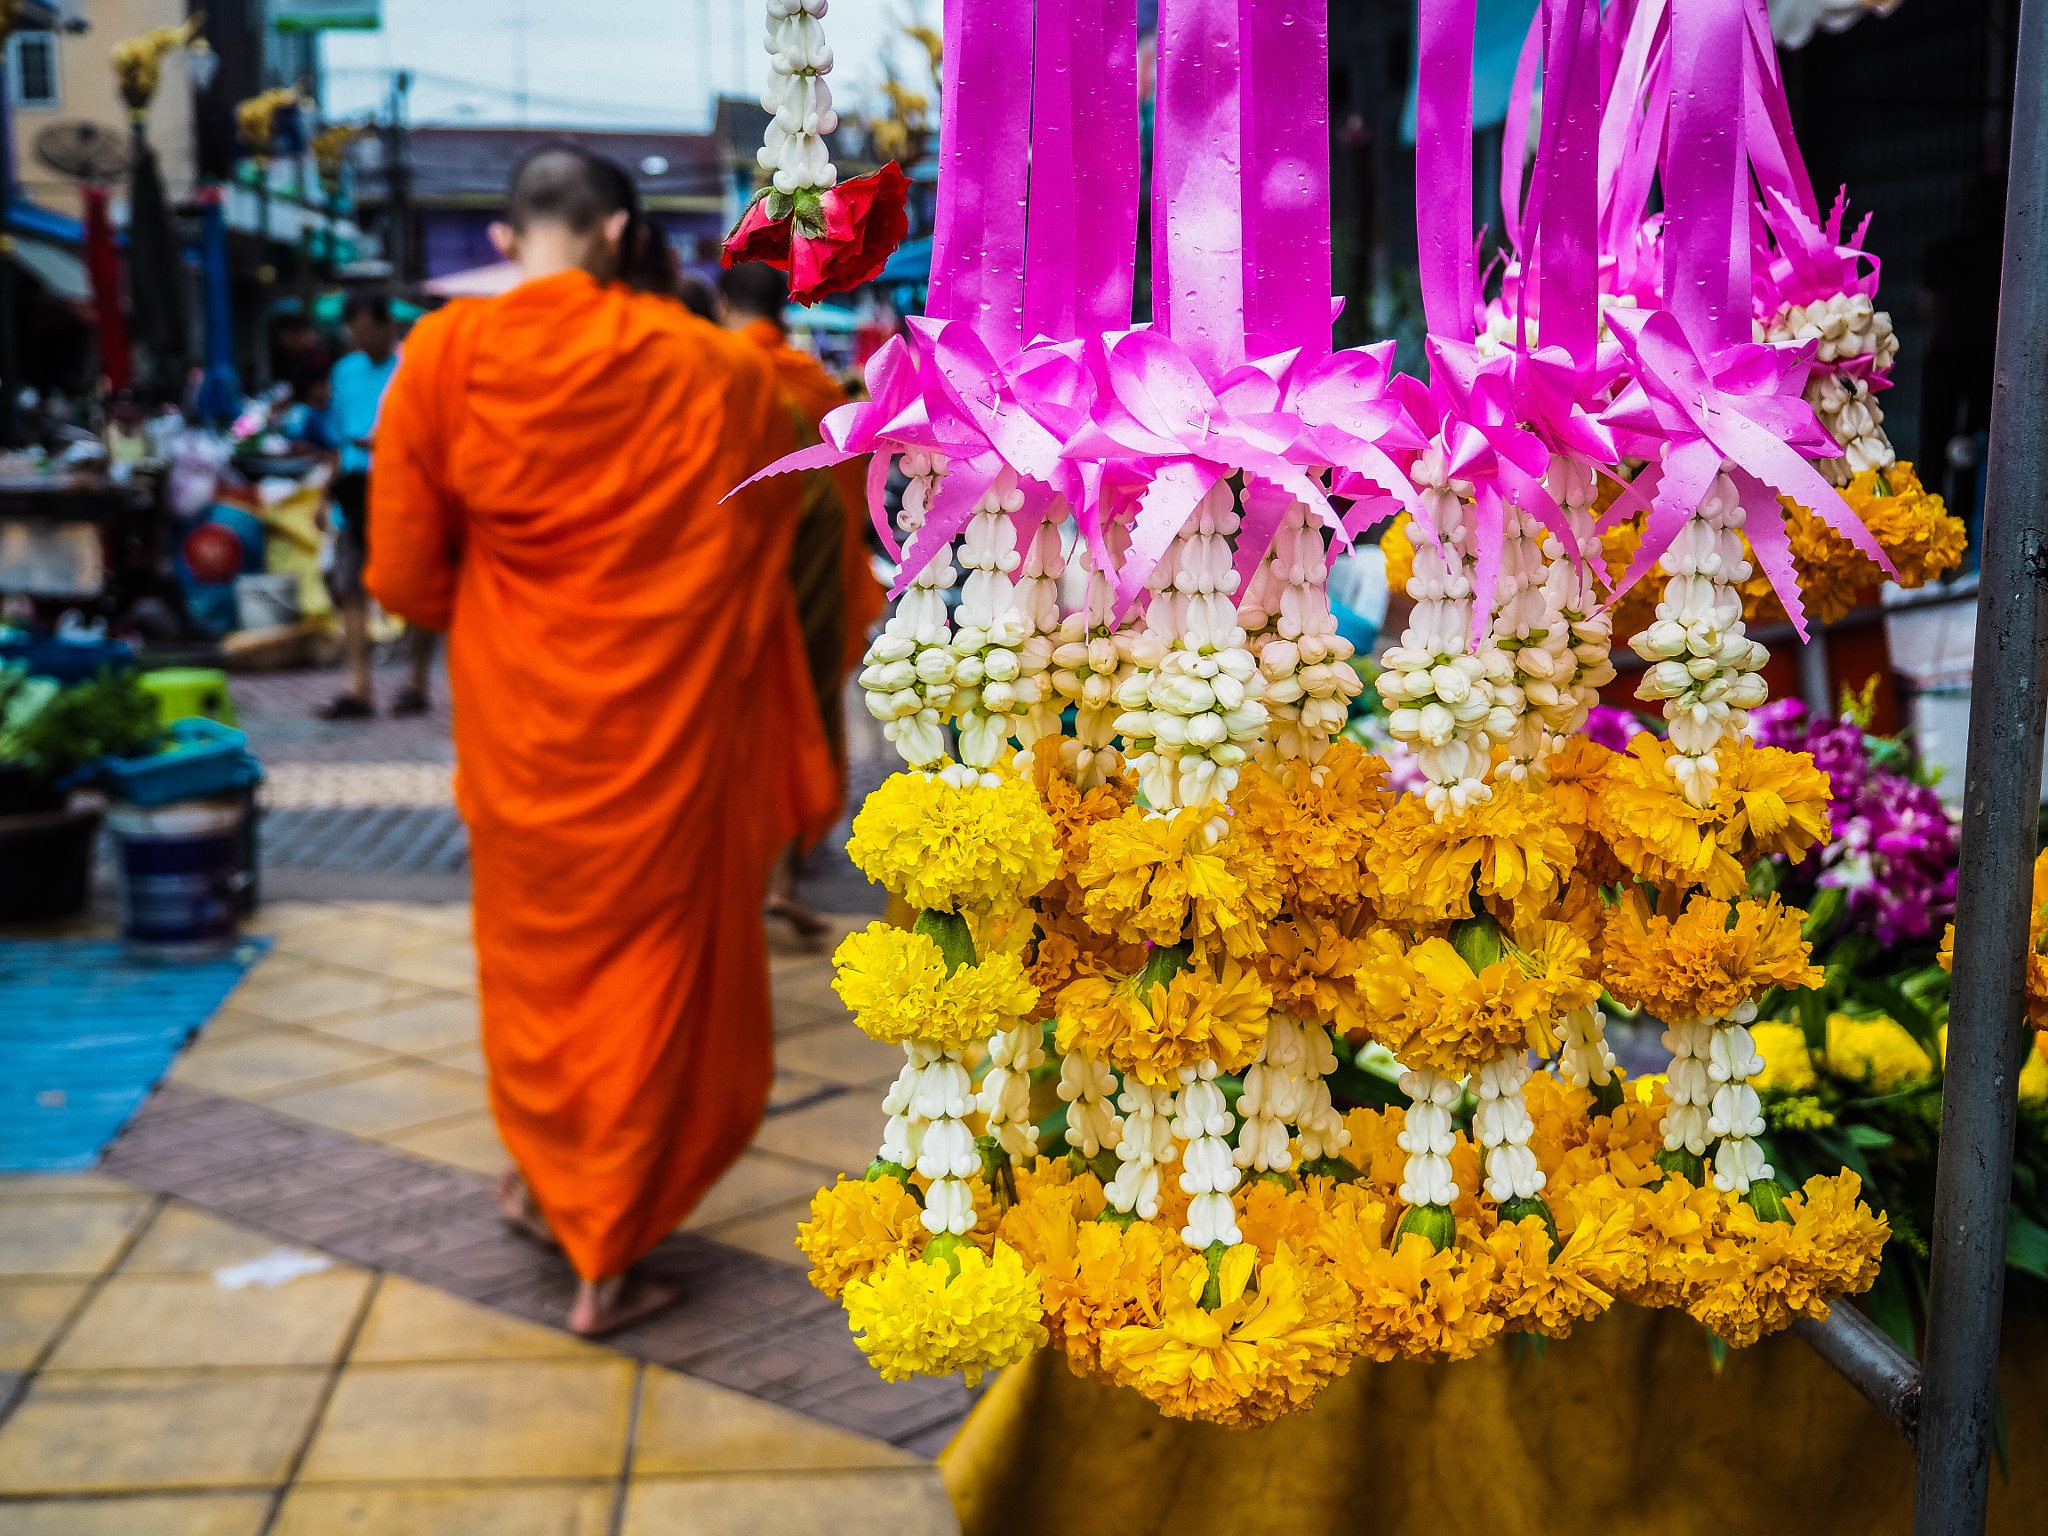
{"x":1866,"y":1356}
{"x":2001,"y":798}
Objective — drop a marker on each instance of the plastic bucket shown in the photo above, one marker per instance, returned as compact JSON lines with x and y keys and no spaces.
{"x":266,"y":602}
{"x":180,"y":875}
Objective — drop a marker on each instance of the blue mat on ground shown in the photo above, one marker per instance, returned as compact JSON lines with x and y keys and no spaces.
{"x":85,"y":1032}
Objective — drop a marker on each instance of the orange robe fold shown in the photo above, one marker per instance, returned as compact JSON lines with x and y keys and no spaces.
{"x":806,"y":382}
{"x":634,"y":732}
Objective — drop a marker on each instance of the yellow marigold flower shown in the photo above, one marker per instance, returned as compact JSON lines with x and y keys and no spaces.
{"x":1514,"y":844}
{"x":1678,"y":1227}
{"x":1416,"y":1302}
{"x":1577,"y":778}
{"x":1535,"y":1293}
{"x":1263,"y":1352}
{"x":1317,"y":827}
{"x":1312,"y":964}
{"x":1783,"y":1048}
{"x":1094,"y":1275}
{"x":1074,"y":811}
{"x":2034,"y":1074}
{"x":1068,"y":949}
{"x":895,"y":982}
{"x":1699,"y":963}
{"x":1168,"y":878}
{"x":1654,"y":831}
{"x":1427,"y":1005}
{"x":1911,"y":526}
{"x":1399,"y":550}
{"x":1770,"y":801}
{"x":1763,"y":1274}
{"x":1214,"y":1009}
{"x":857,"y":1226}
{"x":1268,"y":1215}
{"x":916,"y":1317}
{"x":1375,"y":1149}
{"x":945,"y":849}
{"x":1878,"y":1050}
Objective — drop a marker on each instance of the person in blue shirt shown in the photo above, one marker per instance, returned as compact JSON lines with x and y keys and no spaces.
{"x":356,"y":386}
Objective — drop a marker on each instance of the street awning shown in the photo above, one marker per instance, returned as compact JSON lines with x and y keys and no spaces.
{"x":54,"y":267}
{"x":824,"y":317}
{"x":475,"y":282}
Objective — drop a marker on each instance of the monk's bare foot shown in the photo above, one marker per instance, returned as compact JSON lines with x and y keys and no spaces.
{"x":618,"y":1301}
{"x":517,"y":1205}
{"x":801,"y":917}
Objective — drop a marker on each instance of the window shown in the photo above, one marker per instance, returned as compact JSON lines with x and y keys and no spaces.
{"x":32,"y":69}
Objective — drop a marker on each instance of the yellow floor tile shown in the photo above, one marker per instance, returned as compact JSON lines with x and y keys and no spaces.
{"x":524,"y":1509}
{"x":229,"y":1023}
{"x":468,"y":1057}
{"x":65,"y":1234}
{"x":202,"y":1514}
{"x":262,"y":1062}
{"x":29,"y":1315}
{"x":759,"y":1181}
{"x":840,"y":1052}
{"x":85,"y":1431}
{"x":413,"y":1322}
{"x":447,"y":916}
{"x":431,"y":1024}
{"x":793,"y":1017}
{"x":470,"y":1142}
{"x":908,"y":1503}
{"x":323,"y":993}
{"x":279,"y":917}
{"x":443,"y":965}
{"x":396,"y":1099}
{"x":362,"y":941}
{"x":811,"y":984}
{"x":82,"y":1182}
{"x":842,"y":1132}
{"x":688,"y":1425}
{"x":273,"y":970}
{"x":770,"y":1233}
{"x":189,"y":1321}
{"x":508,"y":1418}
{"x":184,"y":1240}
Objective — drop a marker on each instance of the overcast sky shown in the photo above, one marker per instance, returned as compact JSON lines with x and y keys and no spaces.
{"x":595,"y":63}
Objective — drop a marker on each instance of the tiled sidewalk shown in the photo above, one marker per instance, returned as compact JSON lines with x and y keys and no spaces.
{"x":337,"y":1102}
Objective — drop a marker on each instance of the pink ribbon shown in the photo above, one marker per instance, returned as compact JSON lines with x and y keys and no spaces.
{"x":1443,"y":166}
{"x":1286,"y":207}
{"x":1699,"y":409}
{"x":985,"y":144}
{"x":1198,"y":295}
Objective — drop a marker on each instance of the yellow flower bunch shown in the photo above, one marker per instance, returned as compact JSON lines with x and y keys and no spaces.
{"x":1710,"y":957}
{"x":856,"y":1227}
{"x":1513,"y":847}
{"x":1760,"y":1274}
{"x":923,"y":1317}
{"x":944,"y":848}
{"x":1165,"y":879}
{"x":1318,"y":828}
{"x":1213,"y":1009}
{"x":1261,"y":1351}
{"x":1911,"y":526}
{"x":1313,"y":964}
{"x":1097,"y":1276}
{"x":895,"y":982}
{"x":1399,"y":550}
{"x":1426,"y":1003}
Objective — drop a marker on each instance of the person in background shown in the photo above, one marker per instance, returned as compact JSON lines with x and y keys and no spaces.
{"x":296,"y":348}
{"x":837,"y":596}
{"x":303,"y":418}
{"x":697,"y":297}
{"x":633,"y":726}
{"x":356,"y":387}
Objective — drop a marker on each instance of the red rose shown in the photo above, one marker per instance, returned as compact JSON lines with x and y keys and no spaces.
{"x":827,"y":242}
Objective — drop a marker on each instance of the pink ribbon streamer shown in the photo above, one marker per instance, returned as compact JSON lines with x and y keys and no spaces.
{"x":1443,"y":166}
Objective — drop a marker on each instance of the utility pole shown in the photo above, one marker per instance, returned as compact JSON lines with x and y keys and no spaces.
{"x":398,"y":178}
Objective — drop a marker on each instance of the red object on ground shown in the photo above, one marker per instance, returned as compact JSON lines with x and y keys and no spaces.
{"x":213,"y":553}
{"x":829,"y":242}
{"x":103,"y":262}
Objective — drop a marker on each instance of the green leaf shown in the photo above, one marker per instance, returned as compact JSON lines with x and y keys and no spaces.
{"x":1869,"y":1136}
{"x":2026,"y":1244}
{"x":1717,"y":1349}
{"x":1837,"y":1144}
{"x":1812,"y":1009}
{"x":1889,"y":1303}
{"x":1829,"y":903}
{"x":1763,"y":879}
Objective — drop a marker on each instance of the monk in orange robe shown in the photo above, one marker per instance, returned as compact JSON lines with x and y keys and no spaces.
{"x":634,"y":731}
{"x":837,"y":596}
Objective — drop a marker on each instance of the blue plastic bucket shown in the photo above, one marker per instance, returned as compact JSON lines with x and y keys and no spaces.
{"x":180,"y":876}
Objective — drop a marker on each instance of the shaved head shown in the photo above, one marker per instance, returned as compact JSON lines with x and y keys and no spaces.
{"x":564,"y":183}
{"x":755,"y":289}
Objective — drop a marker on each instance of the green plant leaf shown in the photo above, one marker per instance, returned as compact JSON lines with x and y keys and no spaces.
{"x":1717,"y":1349}
{"x":2026,"y":1244}
{"x":1889,"y":1302}
{"x":1869,"y":1136}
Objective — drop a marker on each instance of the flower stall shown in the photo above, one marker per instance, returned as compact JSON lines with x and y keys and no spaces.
{"x":1162,"y":907}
